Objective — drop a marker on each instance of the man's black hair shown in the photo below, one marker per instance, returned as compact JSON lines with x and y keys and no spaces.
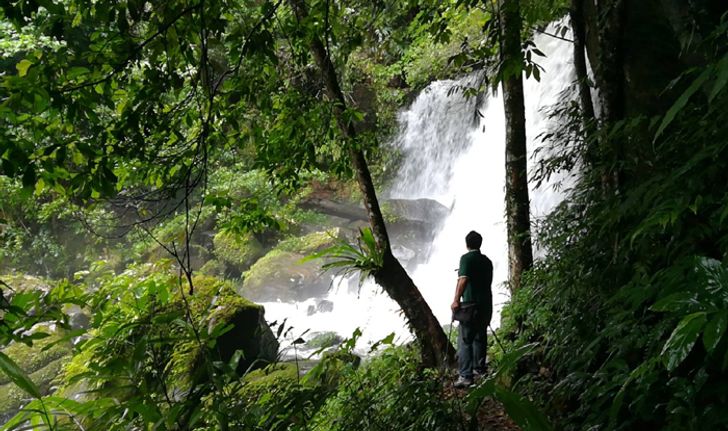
{"x":473,"y":240}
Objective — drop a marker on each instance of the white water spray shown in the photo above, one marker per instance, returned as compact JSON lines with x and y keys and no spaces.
{"x":460,"y":164}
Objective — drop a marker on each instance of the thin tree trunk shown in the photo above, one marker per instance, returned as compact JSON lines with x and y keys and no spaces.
{"x":520,"y":253}
{"x":609,"y":74}
{"x":435,"y":346}
{"x":593,"y":153}
{"x":577,"y":24}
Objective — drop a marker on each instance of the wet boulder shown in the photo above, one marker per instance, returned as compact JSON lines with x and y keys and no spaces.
{"x":284,"y":275}
{"x":322,"y":306}
{"x":216,"y":305}
{"x":412,"y":225}
{"x":237,"y":252}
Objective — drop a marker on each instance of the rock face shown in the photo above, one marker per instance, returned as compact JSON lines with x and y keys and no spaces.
{"x":322,"y":306}
{"x":429,"y":212}
{"x":412,"y":228}
{"x":411,"y":223}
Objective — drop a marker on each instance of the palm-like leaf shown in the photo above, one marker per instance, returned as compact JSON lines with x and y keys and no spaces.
{"x":346,"y":259}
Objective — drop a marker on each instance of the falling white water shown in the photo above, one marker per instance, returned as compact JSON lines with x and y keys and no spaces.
{"x":458,"y":161}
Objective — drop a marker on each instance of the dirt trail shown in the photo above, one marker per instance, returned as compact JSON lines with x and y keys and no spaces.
{"x":491,"y":414}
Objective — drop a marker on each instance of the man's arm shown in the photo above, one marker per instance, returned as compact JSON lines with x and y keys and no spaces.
{"x":459,"y":289}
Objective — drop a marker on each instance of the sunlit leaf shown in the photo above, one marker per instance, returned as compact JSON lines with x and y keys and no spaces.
{"x":23,"y":66}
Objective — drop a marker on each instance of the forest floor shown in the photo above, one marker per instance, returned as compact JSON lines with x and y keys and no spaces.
{"x":491,"y":414}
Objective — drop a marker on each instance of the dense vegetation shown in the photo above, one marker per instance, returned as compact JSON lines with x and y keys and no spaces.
{"x":161,"y":162}
{"x":629,"y":303}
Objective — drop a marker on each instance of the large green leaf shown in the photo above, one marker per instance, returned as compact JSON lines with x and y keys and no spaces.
{"x":682,"y":340}
{"x":510,"y":359}
{"x":714,"y":331}
{"x":18,"y":376}
{"x":721,"y":78}
{"x":521,"y":410}
{"x":682,"y":302}
{"x":526,"y":414}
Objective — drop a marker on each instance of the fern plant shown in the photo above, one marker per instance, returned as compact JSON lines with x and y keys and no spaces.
{"x":346,"y":259}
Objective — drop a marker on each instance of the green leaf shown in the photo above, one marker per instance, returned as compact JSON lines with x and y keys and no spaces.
{"x":18,"y":376}
{"x":388,"y":340}
{"x":683,"y":302}
{"x":522,"y":411}
{"x":714,"y":331}
{"x":510,"y":359}
{"x":681,"y":102}
{"x":682,"y":340}
{"x":721,"y":80}
{"x":644,"y":369}
{"x":23,"y":66}
{"x":75,"y":72}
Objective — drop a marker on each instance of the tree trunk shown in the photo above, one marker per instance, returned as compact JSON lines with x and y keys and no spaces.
{"x":435,"y":346}
{"x":577,"y":24}
{"x":609,"y":75}
{"x":520,"y":254}
{"x":593,"y":153}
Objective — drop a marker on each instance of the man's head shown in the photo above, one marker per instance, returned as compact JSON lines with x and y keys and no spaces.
{"x":473,"y":240}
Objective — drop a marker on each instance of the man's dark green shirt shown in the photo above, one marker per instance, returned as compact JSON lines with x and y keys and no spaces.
{"x":479,"y":271}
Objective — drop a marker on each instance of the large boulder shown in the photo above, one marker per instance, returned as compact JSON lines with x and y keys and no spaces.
{"x":427,"y":211}
{"x":250,"y":332}
{"x":232,"y":322}
{"x":238,"y":252}
{"x":411,"y":223}
{"x":283,"y":275}
{"x":412,"y":226}
{"x":217,"y":304}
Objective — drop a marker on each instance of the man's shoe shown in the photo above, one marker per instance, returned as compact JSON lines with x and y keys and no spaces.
{"x":463,"y":383}
{"x":479,"y":373}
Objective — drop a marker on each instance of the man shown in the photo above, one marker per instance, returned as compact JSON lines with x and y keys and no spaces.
{"x":475,"y":275}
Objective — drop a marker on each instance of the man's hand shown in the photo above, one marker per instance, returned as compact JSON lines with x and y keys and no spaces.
{"x":455,"y":305}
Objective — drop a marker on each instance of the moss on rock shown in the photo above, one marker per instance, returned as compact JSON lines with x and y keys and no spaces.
{"x":33,"y":358}
{"x":12,"y":398}
{"x":310,"y":243}
{"x":215,"y":304}
{"x":213,"y":268}
{"x":25,"y":283}
{"x":237,"y":251}
{"x":283,"y":275}
{"x":324,"y":340}
{"x":265,"y":380}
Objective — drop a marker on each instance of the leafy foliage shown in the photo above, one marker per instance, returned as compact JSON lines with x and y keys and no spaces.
{"x":377,"y":394}
{"x":629,"y":302}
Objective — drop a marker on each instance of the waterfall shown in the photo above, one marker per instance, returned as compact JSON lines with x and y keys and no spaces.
{"x":471,"y":175}
{"x":459,"y":162}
